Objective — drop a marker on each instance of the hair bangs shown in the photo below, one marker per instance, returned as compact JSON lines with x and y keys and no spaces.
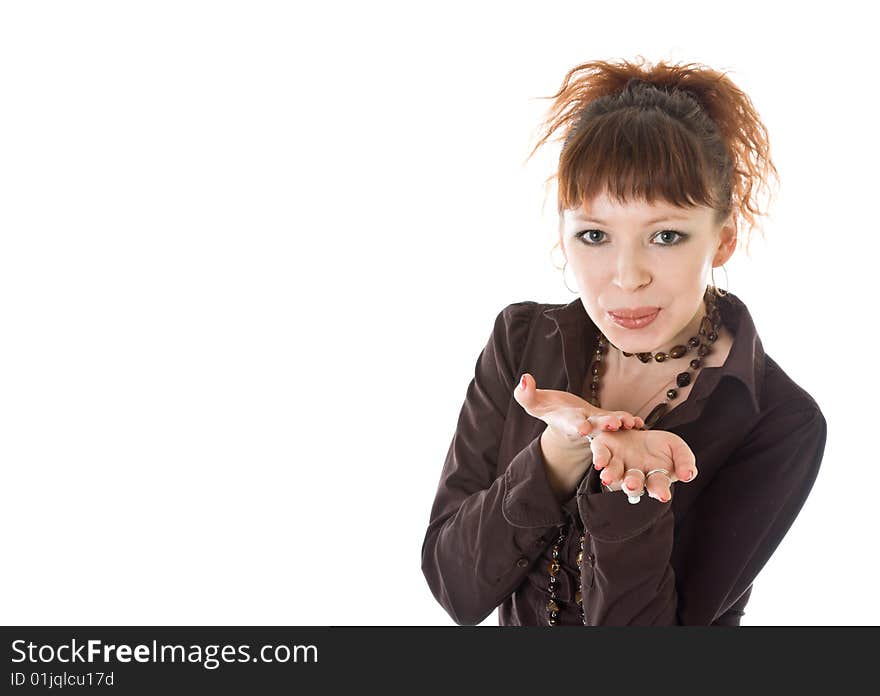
{"x":634,"y":156}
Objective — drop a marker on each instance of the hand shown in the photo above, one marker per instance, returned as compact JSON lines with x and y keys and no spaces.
{"x":569,"y":416}
{"x":628,"y":455}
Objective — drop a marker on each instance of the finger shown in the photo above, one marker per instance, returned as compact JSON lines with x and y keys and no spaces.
{"x":633,"y":483}
{"x":588,"y":427}
{"x":630,"y":421}
{"x":685,"y":464}
{"x":658,"y":487}
{"x":613,"y":471}
{"x":605,"y":422}
{"x":525,"y":391}
{"x":601,"y":455}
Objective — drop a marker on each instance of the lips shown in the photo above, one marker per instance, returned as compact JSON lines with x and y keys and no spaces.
{"x":634,"y":323}
{"x":636,"y":313}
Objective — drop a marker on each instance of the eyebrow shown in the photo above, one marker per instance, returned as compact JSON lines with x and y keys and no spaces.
{"x":648,"y":222}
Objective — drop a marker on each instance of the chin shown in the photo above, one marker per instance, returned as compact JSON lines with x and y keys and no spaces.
{"x":628,"y":345}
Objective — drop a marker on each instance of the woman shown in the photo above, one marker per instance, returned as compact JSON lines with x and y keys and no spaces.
{"x":664,"y":456}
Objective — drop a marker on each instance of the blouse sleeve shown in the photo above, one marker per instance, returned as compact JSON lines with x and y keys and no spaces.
{"x":739,"y":519}
{"x":486,"y":530}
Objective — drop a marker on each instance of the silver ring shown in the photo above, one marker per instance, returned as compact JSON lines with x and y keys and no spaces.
{"x":633,"y":499}
{"x":659,"y":471}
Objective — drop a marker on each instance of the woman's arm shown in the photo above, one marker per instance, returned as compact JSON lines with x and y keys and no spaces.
{"x":486,"y":531}
{"x":738,"y":520}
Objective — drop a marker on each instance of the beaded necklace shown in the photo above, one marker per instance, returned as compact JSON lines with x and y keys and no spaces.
{"x":709,"y":329}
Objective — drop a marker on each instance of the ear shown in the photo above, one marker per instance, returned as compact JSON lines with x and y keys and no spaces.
{"x":726,"y":243}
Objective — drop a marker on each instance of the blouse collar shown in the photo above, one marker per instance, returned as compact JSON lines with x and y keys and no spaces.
{"x":744,"y":363}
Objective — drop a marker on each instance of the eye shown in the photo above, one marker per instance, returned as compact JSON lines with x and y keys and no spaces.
{"x":677,"y":240}
{"x":586,"y":234}
{"x":588,"y":238}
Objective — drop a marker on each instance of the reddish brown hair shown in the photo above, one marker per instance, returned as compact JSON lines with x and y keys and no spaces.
{"x":684,"y":134}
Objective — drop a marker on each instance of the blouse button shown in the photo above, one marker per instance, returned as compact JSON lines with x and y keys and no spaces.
{"x":523,"y":562}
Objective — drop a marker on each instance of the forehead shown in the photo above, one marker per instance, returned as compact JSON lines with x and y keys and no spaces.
{"x":603,"y":209}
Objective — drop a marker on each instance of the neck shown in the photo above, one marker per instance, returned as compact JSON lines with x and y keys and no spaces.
{"x":625,"y":368}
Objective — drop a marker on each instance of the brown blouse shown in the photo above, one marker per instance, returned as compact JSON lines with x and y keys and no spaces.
{"x":758,"y":438}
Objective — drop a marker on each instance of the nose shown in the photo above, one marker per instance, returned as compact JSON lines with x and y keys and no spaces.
{"x":631,"y":273}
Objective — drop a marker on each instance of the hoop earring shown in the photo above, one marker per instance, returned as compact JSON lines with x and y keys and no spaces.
{"x":564,"y":282}
{"x":726,"y":282}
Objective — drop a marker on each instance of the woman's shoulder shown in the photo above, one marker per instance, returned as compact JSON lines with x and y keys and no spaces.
{"x":770,"y":384}
{"x":779,"y":389}
{"x":517,"y":315}
{"x":512,"y":327}
{"x":518,"y":320}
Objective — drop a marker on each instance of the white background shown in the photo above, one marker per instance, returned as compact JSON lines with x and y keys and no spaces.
{"x":251,"y":251}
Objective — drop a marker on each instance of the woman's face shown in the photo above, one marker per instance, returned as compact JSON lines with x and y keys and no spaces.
{"x":644,"y":256}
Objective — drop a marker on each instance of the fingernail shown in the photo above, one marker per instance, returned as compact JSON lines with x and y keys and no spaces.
{"x":689,"y":476}
{"x":523,"y":382}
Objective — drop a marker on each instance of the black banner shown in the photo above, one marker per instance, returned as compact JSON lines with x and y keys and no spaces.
{"x":243,"y":659}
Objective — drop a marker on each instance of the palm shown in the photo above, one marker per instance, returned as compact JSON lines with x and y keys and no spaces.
{"x":624,"y":453}
{"x":568,"y":414}
{"x":643,"y":449}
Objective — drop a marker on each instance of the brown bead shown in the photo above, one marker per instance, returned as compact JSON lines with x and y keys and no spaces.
{"x":677,"y":351}
{"x":645,"y":357}
{"x":596,"y":369}
{"x":703,"y":350}
{"x":656,"y":414}
{"x":705,"y":326}
{"x":552,"y":606}
{"x":695,"y":363}
{"x":682,"y":379}
{"x":694,"y":341}
{"x":660,"y":357}
{"x":554,"y":567}
{"x":578,"y":597}
{"x":671,"y":393}
{"x":580,"y":558}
